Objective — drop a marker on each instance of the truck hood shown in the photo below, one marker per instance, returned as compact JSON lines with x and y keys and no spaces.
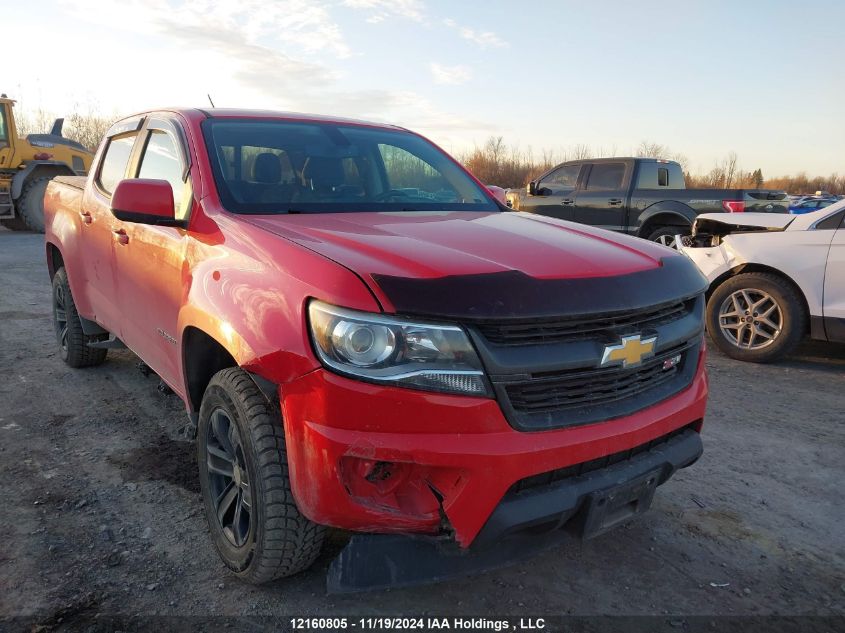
{"x":465,"y":263}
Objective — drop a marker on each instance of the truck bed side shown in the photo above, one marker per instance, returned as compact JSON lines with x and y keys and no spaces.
{"x":710,"y":200}
{"x":63,"y":196}
{"x":62,"y":218}
{"x":74,"y":182}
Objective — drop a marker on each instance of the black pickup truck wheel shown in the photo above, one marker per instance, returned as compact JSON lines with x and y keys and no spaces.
{"x":73,"y":342}
{"x":666,"y":235}
{"x":255,"y":525}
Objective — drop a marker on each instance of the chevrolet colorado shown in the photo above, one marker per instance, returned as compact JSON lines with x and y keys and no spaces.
{"x":365,"y":338}
{"x":646,"y":197}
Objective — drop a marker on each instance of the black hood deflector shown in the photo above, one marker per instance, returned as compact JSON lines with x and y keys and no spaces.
{"x":513,"y":294}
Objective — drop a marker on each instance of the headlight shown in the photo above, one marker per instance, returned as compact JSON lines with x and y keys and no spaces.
{"x":391,"y":350}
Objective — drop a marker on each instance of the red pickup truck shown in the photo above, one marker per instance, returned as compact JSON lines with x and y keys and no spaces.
{"x":365,"y":338}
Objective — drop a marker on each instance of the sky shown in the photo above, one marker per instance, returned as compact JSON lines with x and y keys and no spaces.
{"x":765,"y":79}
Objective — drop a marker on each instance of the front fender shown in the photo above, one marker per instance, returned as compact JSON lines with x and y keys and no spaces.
{"x":250,"y":291}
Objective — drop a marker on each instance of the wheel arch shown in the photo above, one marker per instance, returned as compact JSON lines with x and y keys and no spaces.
{"x":664,"y":214}
{"x":202,"y":357}
{"x":759,"y":268}
{"x":55,"y":260}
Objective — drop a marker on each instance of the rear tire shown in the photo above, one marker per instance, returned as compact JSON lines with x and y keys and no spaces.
{"x":756,"y":317}
{"x":666,"y":235}
{"x":254,"y":522}
{"x":73,"y":342}
{"x":31,"y":203}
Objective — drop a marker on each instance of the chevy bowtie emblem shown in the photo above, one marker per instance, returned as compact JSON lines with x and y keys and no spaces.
{"x":632,"y":351}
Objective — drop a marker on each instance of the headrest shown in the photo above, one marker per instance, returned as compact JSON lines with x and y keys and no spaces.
{"x":267,"y":168}
{"x":322,"y":172}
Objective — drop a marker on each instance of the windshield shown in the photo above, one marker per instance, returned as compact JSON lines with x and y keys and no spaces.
{"x":296,"y":167}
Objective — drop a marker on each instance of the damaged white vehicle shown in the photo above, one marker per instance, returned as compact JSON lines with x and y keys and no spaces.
{"x":774,"y":278}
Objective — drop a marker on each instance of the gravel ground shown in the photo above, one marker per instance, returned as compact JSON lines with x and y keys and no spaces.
{"x":103,"y":514}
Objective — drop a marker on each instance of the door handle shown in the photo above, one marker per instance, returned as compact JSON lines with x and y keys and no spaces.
{"x":121,"y":236}
{"x":567,"y":202}
{"x":614,"y":201}
{"x":86,"y":217}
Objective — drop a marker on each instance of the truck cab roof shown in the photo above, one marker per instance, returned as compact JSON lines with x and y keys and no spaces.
{"x":247,"y":113}
{"x":617,"y":159}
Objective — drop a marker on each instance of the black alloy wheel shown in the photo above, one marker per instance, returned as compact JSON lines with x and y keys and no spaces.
{"x":228,"y":478}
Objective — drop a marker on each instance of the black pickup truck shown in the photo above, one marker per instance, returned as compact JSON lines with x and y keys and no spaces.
{"x":646,"y":197}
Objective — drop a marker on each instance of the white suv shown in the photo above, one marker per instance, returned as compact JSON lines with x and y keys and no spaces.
{"x":773,"y":279}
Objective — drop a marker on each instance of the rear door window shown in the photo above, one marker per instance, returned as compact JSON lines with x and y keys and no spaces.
{"x":115,"y":160}
{"x":606,"y":176}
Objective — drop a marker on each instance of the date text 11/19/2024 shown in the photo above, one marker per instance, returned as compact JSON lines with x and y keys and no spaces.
{"x":430,"y":623}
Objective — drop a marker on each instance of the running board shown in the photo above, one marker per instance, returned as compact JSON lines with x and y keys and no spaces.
{"x":111,"y":343}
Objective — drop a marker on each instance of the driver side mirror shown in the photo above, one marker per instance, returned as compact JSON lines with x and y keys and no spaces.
{"x":531,"y":189}
{"x":145,"y":201}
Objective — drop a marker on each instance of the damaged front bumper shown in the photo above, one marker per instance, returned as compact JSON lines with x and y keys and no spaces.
{"x":522,"y":525}
{"x":446,"y":472}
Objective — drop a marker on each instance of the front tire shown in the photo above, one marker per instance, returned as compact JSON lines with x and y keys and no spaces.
{"x":254,"y":522}
{"x":73,"y":342}
{"x":756,"y":317}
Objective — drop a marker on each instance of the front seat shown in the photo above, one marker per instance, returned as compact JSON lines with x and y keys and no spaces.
{"x":324,"y":178}
{"x":267,"y":173}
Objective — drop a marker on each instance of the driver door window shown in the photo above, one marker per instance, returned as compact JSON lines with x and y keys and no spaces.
{"x":563,"y":178}
{"x":161,"y":161}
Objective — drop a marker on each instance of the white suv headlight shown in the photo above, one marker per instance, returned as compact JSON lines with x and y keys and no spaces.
{"x":392,"y":350}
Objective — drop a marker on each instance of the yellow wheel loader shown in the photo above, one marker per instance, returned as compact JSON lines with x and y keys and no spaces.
{"x":27,"y":165}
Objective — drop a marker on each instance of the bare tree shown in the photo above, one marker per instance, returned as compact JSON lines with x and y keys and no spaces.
{"x":581,"y":151}
{"x":647,"y":149}
{"x":729,"y":168}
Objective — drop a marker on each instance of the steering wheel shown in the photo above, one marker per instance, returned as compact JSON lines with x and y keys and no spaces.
{"x":391,"y":193}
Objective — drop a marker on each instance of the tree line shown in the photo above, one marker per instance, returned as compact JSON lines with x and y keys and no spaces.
{"x":497,"y":163}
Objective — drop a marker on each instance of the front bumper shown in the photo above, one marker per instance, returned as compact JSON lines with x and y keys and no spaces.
{"x":377,"y":459}
{"x":522,"y":525}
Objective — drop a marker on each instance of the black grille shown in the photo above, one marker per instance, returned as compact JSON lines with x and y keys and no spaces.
{"x":576,"y":470}
{"x":560,"y":391}
{"x":557,"y":330}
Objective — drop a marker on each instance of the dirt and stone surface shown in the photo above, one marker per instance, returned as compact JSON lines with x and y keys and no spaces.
{"x":101,"y":511}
